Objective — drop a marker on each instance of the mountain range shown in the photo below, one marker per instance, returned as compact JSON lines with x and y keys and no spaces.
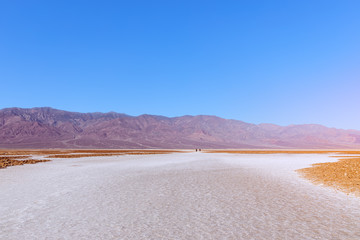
{"x":51,"y":128}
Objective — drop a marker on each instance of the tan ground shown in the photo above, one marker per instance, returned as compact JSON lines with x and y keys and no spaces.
{"x":343,"y":175}
{"x":17,"y":160}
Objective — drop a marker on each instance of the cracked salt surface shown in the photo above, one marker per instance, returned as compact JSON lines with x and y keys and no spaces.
{"x":174,"y":196}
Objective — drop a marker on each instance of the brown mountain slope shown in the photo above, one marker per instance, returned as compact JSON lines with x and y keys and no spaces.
{"x":52,"y":128}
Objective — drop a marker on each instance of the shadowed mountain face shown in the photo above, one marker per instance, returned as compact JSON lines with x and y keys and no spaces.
{"x":51,"y":128}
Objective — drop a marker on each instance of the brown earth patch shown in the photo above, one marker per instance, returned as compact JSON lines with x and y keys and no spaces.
{"x":14,"y":161}
{"x":342,"y":175}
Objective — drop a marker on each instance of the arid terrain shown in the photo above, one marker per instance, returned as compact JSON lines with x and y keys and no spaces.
{"x":343,"y":174}
{"x":157,"y":194}
{"x":8,"y":161}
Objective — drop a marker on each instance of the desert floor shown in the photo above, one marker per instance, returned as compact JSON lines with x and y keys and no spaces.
{"x":174,"y":196}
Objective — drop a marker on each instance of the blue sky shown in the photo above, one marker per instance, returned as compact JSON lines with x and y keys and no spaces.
{"x":282,"y":62}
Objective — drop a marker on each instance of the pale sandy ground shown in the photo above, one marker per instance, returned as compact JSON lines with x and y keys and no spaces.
{"x":174,"y":196}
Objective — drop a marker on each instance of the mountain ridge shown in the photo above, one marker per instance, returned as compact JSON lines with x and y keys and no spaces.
{"x":46,"y":127}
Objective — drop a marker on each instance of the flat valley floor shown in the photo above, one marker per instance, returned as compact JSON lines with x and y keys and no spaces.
{"x":174,"y":196}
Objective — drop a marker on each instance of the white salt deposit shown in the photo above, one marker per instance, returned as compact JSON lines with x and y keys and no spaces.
{"x":173,"y":196}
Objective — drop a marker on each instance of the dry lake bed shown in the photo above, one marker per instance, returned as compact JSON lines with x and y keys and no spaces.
{"x":174,"y":196}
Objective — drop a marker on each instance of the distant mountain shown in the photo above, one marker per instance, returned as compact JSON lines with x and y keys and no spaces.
{"x":52,"y":128}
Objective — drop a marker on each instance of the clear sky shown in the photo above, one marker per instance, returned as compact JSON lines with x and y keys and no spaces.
{"x":283,"y":62}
